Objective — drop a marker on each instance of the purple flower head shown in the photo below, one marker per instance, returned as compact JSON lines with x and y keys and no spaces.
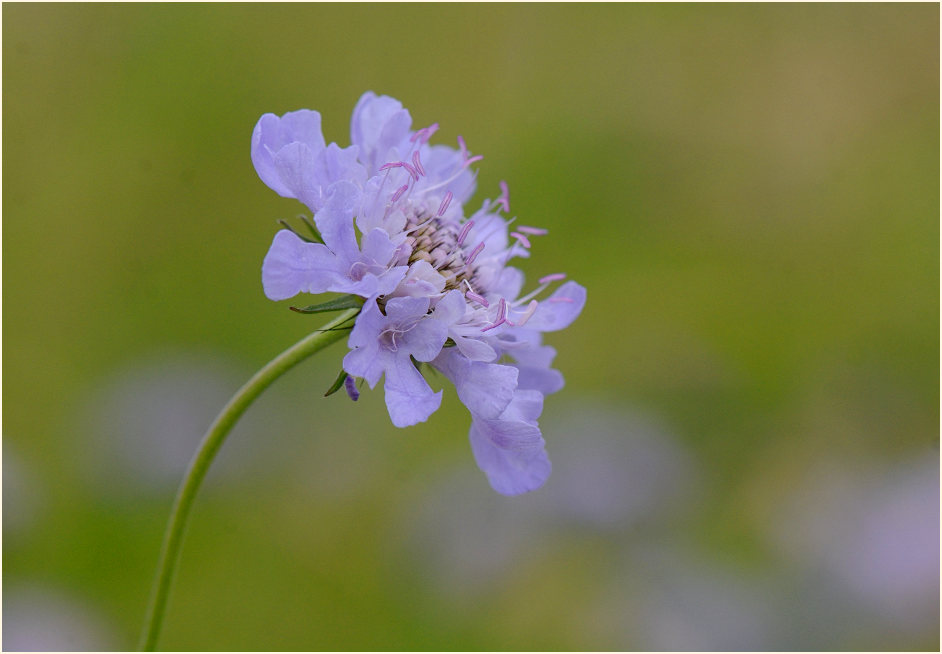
{"x":435,"y":283}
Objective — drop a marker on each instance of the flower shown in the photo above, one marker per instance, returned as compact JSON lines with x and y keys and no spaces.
{"x":435,"y":284}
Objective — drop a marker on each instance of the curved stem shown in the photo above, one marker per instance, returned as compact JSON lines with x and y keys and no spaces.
{"x":173,"y":537}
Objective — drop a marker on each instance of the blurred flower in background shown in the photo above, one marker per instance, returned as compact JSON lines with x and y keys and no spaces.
{"x":144,"y":423}
{"x":37,"y":618}
{"x":870,"y":535}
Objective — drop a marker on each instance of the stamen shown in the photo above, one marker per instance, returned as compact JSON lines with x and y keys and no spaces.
{"x":523,"y":239}
{"x":504,"y":199}
{"x":467,"y":161}
{"x":412,"y":171}
{"x":555,"y":277}
{"x":401,"y":164}
{"x":533,"y":231}
{"x":443,"y":207}
{"x":417,"y":162}
{"x":474,"y":253}
{"x":495,"y":325}
{"x":399,"y":191}
{"x":424,"y":134}
{"x":480,"y":299}
{"x":350,"y":386}
{"x":531,"y":308}
{"x":463,"y":234}
{"x":501,"y":310}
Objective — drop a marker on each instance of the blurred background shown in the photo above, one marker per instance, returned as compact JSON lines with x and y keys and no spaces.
{"x":746,"y":455}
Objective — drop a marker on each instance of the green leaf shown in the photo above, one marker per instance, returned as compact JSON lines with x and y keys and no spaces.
{"x":284,"y":223}
{"x":337,"y":304}
{"x":337,"y":383}
{"x":311,"y":228}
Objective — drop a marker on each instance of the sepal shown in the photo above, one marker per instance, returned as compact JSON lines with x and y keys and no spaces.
{"x":336,"y":304}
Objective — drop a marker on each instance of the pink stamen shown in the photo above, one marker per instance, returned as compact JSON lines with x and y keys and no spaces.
{"x":495,"y":325}
{"x":531,"y":308}
{"x":464,"y":153}
{"x":424,"y":134}
{"x":401,"y":164}
{"x":523,"y":239}
{"x":480,"y":299}
{"x":533,"y":231}
{"x":561,"y":299}
{"x":501,"y":310}
{"x":417,"y":162}
{"x":399,"y":191}
{"x":504,"y":199}
{"x":474,"y":253}
{"x":555,"y":277}
{"x":463,"y":234}
{"x":412,"y":171}
{"x":443,"y":207}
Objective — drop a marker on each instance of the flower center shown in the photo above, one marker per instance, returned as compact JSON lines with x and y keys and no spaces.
{"x":436,"y":241}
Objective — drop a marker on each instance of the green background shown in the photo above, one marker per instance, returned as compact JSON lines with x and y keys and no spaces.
{"x":748,"y":192}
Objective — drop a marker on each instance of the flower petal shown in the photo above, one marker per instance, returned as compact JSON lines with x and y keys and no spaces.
{"x":333,"y":164}
{"x":485,"y":388}
{"x":272,"y":133}
{"x":295,"y":165}
{"x":510,"y":449}
{"x":335,"y":221}
{"x":403,"y":309}
{"x":560,"y":309}
{"x":409,"y":398}
{"x":366,"y":358}
{"x":535,"y":372}
{"x":379,"y":125}
{"x":294,"y":266}
{"x":426,"y":339}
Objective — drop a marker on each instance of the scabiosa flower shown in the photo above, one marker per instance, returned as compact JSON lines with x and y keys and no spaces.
{"x":390,"y":228}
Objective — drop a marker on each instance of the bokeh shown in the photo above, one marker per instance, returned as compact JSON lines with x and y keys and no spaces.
{"x":746,"y":454}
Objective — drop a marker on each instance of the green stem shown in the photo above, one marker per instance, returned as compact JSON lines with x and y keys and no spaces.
{"x":173,"y":537}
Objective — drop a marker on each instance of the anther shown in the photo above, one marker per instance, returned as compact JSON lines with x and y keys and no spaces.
{"x":401,"y":164}
{"x":480,"y":299}
{"x":412,"y":171}
{"x":474,"y":253}
{"x":463,"y":234}
{"x":417,"y":162}
{"x":555,"y":277}
{"x":533,"y":231}
{"x":501,"y":310}
{"x":495,"y":325}
{"x":399,"y":191}
{"x":523,"y":239}
{"x":443,"y":207}
{"x":424,"y":134}
{"x":467,"y":161}
{"x":504,"y":199}
{"x":528,"y":313}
